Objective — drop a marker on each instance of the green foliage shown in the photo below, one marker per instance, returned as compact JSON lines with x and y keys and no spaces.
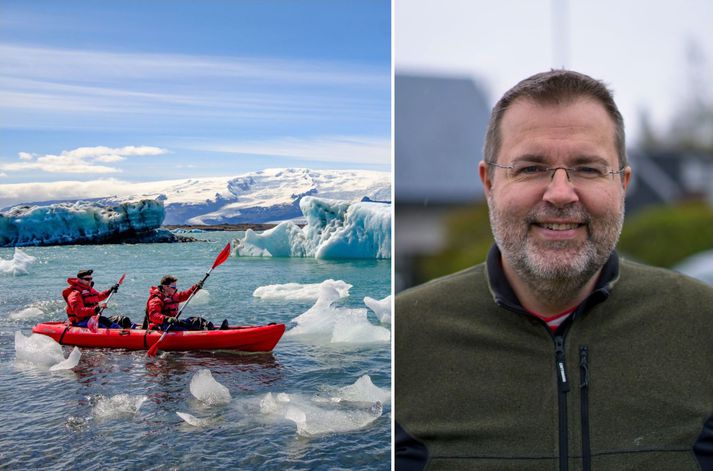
{"x":665,"y":235}
{"x":468,"y":240}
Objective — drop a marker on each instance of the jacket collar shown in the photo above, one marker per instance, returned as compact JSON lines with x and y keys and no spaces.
{"x":504,"y":296}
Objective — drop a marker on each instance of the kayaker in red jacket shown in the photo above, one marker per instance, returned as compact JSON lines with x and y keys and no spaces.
{"x":83,"y":301}
{"x":162,"y":307}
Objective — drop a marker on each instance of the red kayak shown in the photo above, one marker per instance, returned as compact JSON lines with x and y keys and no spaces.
{"x":243,"y":338}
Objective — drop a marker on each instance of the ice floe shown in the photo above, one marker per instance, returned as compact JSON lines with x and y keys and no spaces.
{"x":358,"y":406}
{"x":120,"y":405}
{"x":208,"y":390}
{"x":18,"y":264}
{"x":324,"y":321}
{"x":300,"y":292}
{"x":382,"y":308}
{"x":39,"y":350}
{"x":27,"y":313}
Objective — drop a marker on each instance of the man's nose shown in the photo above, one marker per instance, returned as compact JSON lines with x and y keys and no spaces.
{"x":560,"y":191}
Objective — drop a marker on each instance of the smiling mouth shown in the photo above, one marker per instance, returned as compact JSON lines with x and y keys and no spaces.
{"x":559,"y":227}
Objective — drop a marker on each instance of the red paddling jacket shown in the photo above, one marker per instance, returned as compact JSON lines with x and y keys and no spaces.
{"x":82,"y":300}
{"x":160,"y":306}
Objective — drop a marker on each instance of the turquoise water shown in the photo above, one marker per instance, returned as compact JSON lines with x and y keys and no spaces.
{"x":50,"y":420}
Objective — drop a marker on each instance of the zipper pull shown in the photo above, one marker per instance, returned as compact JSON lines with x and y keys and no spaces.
{"x":584,"y":366}
{"x":562,"y":381}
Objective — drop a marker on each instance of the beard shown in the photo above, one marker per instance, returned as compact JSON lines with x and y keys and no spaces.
{"x":555,"y":269}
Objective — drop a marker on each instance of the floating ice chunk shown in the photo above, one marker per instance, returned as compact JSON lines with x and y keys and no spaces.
{"x":117,"y":406}
{"x":338,"y":325}
{"x":353,"y":326}
{"x":71,"y":361}
{"x":192,"y":420}
{"x":363,"y":390}
{"x":312,"y":420}
{"x":297,"y":291}
{"x":18,"y":264}
{"x":27,"y":313}
{"x":382,"y":308}
{"x":37,"y":349}
{"x":207,"y":389}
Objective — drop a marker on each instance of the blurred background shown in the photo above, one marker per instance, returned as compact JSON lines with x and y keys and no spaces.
{"x":455,"y":58}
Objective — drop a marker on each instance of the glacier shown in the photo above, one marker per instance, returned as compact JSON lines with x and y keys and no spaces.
{"x":83,"y":222}
{"x":334,"y":229}
{"x":266,"y":196}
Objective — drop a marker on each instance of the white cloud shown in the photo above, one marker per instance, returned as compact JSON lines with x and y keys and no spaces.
{"x":344,"y":149}
{"x":80,"y":160}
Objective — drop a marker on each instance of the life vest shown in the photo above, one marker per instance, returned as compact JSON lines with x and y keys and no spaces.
{"x":90,"y":298}
{"x":169,"y":304}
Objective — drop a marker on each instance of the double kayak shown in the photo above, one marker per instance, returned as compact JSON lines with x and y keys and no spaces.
{"x":242,"y":338}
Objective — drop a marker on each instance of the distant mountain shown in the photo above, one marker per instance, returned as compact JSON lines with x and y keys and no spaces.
{"x":269,"y":195}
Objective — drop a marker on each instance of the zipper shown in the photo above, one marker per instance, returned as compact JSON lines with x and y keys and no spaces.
{"x":584,"y":406}
{"x":562,"y":389}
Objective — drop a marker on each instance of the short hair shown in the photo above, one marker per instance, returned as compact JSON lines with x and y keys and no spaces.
{"x":558,"y":86}
{"x":168,"y":279}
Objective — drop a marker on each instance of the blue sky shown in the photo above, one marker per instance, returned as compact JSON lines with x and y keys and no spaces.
{"x":163,"y":89}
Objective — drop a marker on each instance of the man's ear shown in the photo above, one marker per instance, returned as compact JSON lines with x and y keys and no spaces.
{"x":485,"y":178}
{"x":626,"y":177}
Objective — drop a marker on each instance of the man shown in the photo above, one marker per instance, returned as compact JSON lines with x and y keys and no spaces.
{"x":83,"y":301}
{"x":162,"y":307}
{"x":555,"y":353}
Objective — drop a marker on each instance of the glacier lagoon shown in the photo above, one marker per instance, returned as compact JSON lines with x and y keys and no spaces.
{"x":119,"y":409}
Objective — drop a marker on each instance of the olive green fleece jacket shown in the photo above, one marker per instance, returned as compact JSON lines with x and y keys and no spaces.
{"x":478,"y":384}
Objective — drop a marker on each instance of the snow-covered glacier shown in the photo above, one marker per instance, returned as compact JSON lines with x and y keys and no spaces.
{"x":334,"y":229}
{"x":82,"y":222}
{"x":266,"y":196}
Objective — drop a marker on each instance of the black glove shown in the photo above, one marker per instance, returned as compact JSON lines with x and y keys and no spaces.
{"x":199,"y":285}
{"x":97,"y":309}
{"x":115,"y":288}
{"x":171,"y":320}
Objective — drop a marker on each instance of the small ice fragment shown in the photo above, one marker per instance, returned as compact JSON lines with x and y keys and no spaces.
{"x":301,"y":292}
{"x":311,"y":420}
{"x":363,"y":390}
{"x":208,"y":390}
{"x":18,"y":264}
{"x":71,"y":361}
{"x":192,"y":420}
{"x":382,"y":308}
{"x":117,"y":406}
{"x":27,"y":313}
{"x":268,"y":404}
{"x":37,"y":349}
{"x":283,"y":397}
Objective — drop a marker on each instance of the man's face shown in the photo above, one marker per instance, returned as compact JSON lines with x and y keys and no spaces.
{"x":559,"y":228}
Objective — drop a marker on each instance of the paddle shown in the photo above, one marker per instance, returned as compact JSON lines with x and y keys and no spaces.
{"x":222,"y":256}
{"x":93,"y":322}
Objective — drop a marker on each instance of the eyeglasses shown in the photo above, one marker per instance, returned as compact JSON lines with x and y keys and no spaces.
{"x":86,"y":278}
{"x":525,"y":172}
{"x":171,"y":286}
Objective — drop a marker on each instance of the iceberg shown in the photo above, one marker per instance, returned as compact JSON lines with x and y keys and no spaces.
{"x":18,"y":264}
{"x":382,"y":308}
{"x":300,"y":292}
{"x":38,"y":350}
{"x":83,"y":222}
{"x":334,"y":229}
{"x":71,"y":361}
{"x":315,"y":418}
{"x":324,"y":321}
{"x":208,"y":390}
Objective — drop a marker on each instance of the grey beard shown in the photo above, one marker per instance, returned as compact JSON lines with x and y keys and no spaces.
{"x":554,"y":282}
